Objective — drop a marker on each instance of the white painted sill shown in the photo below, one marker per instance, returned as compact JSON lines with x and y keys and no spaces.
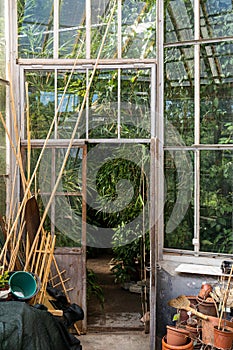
{"x":195,"y":265}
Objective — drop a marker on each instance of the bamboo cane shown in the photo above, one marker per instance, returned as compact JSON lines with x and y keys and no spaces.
{"x":225,"y":298}
{"x":27,"y":189}
{"x":46,"y":265}
{"x":58,"y":275}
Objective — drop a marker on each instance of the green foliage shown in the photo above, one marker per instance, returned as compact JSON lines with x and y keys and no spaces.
{"x":129,"y":258}
{"x":180,"y":238}
{"x":216,"y":201}
{"x":36,"y":24}
{"x":34,"y":40}
{"x":93,"y":287}
{"x":4,"y":279}
{"x":122,"y":187}
{"x":216,"y":126}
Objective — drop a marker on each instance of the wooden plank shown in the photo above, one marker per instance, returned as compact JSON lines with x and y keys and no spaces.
{"x":72,"y":261}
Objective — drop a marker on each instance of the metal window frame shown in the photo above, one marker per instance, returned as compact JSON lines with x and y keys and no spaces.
{"x":85,"y":67}
{"x":167,"y":253}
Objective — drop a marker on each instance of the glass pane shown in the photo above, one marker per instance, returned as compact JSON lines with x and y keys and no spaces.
{"x":216,"y":93}
{"x":135,"y":121}
{"x":103,"y":117}
{"x":127,"y":116}
{"x":72,"y":29}
{"x":70,"y":104}
{"x":69,"y":222}
{"x":31,"y":165}
{"x":41,"y":102}
{"x":138,"y":29}
{"x":117,"y":193}
{"x":35,"y":28}
{"x":179,"y":20}
{"x":100,"y":16}
{"x":66,"y":206}
{"x":179,"y":96}
{"x":216,"y":202}
{"x":178,"y":209}
{"x":216,"y":18}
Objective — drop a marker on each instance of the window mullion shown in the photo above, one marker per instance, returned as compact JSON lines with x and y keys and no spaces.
{"x":87,"y":105}
{"x":56,"y":29}
{"x":119,"y":29}
{"x":56,"y":111}
{"x":119,"y":105}
{"x":197,"y":67}
{"x":153,"y":101}
{"x":88,"y":29}
{"x":196,"y":240}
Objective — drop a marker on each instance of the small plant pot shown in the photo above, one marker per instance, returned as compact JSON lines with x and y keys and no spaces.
{"x":177,"y":336}
{"x":166,"y":346}
{"x":223,"y":338}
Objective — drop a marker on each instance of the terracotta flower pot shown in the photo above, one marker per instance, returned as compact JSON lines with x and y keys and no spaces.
{"x":207,"y":307}
{"x":208,"y":329}
{"x":166,"y":346}
{"x":223,"y":338}
{"x":177,"y":336}
{"x":205,"y":290}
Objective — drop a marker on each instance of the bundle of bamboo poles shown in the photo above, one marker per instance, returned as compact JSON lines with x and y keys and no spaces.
{"x":35,"y":253}
{"x":27,"y":246}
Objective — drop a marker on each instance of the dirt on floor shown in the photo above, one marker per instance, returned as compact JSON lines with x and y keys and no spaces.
{"x":122,"y":308}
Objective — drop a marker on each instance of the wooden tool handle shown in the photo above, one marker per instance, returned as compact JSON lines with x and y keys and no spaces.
{"x":56,"y":312}
{"x":197,"y":313}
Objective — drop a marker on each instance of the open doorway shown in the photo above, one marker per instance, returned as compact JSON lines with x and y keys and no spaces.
{"x":115,"y":305}
{"x":118,"y":255}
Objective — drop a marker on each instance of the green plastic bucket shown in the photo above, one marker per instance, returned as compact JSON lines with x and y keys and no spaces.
{"x":23,"y":285}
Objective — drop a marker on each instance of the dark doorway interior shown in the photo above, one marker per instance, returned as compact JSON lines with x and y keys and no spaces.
{"x":123,"y":308}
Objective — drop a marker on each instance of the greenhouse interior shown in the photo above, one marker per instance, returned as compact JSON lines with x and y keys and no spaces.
{"x":116,"y":171}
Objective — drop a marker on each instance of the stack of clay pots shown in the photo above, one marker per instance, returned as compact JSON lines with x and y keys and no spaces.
{"x":193,"y":331}
{"x":177,"y":339}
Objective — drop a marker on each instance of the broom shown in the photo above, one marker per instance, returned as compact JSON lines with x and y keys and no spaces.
{"x":182,"y":302}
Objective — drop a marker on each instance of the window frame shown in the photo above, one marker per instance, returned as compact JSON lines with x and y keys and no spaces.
{"x":180,"y":255}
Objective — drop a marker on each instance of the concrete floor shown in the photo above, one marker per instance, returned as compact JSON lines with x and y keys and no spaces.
{"x":115,"y":341}
{"x":118,"y":326}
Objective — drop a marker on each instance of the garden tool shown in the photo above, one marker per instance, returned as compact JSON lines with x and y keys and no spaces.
{"x":182,"y":302}
{"x":32,"y":218}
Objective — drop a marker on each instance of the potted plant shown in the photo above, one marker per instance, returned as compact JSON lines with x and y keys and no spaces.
{"x":223,"y":335}
{"x":4,"y":284}
{"x":177,"y":336}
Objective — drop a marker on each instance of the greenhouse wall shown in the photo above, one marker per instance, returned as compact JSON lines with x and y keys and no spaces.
{"x":3,"y":85}
{"x":141,"y":74}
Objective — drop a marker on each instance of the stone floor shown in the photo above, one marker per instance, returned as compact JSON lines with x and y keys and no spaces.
{"x":115,"y":341}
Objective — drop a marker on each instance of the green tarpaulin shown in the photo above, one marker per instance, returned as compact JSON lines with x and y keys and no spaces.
{"x":24,"y":327}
